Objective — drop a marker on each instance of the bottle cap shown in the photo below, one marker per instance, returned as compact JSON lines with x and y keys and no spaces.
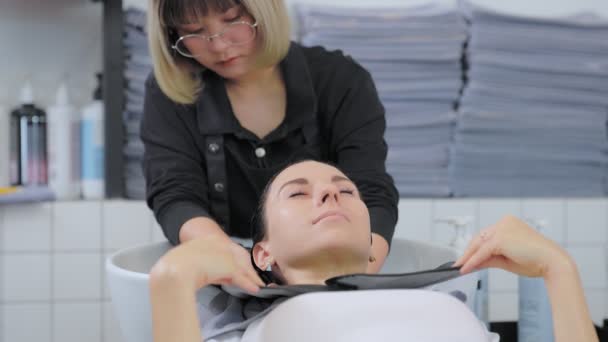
{"x":27,"y":94}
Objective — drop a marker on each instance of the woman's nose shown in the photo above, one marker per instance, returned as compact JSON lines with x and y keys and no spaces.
{"x":216,"y":44}
{"x":327,"y":193}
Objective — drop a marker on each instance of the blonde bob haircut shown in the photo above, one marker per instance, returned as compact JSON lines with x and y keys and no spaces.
{"x":177,"y":75}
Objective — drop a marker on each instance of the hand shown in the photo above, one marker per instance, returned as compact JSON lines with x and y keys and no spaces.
{"x":513,"y":246}
{"x":208,"y":260}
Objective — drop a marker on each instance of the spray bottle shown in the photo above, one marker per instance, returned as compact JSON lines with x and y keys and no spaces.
{"x":64,"y":147}
{"x":535,"y":318}
{"x":462,"y":237}
{"x":93,"y":145}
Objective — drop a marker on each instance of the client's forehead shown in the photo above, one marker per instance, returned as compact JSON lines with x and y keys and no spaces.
{"x":309,"y":170}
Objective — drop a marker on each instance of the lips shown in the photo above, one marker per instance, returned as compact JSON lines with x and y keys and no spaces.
{"x":226,"y":61}
{"x":328,"y":214}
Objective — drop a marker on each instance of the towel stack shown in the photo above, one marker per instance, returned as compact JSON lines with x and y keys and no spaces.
{"x":138,"y":66}
{"x":414,"y":55}
{"x":532,"y":120}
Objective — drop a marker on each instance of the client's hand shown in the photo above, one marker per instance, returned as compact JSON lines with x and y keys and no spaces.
{"x":207,"y":260}
{"x":513,"y":246}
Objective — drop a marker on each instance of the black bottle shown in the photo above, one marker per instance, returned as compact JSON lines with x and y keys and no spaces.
{"x":28,"y":152}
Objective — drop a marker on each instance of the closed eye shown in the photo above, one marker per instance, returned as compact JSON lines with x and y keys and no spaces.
{"x":234,"y":19}
{"x":296,"y":194}
{"x":346,"y":191}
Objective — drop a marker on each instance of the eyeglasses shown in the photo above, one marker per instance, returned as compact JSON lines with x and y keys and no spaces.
{"x":237,"y":33}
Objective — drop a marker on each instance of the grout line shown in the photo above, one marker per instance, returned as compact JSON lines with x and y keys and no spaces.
{"x":1,"y":275}
{"x":52,"y":274}
{"x":102,"y":226}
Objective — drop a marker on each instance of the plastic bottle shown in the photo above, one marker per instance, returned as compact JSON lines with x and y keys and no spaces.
{"x":28,"y":161}
{"x":535,"y":318}
{"x":64,"y":147}
{"x":92,"y":134}
{"x":462,"y":237}
{"x":5,"y":123}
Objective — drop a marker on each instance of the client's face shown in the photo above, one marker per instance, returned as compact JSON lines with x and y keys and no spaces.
{"x":315,"y":214}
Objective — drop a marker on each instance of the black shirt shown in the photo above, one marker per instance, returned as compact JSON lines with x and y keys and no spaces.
{"x":327,"y":93}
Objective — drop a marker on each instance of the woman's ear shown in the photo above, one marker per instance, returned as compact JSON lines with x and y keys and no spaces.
{"x":261,"y":255}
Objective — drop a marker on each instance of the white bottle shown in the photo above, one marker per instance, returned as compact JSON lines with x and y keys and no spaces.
{"x":92,"y":135}
{"x":64,"y":147}
{"x":5,"y":147}
{"x":535,"y":318}
{"x":462,"y":237}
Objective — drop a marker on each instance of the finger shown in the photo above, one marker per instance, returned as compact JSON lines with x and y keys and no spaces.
{"x":483,"y":253}
{"x":254,"y":276}
{"x":241,"y":280}
{"x":469,"y":251}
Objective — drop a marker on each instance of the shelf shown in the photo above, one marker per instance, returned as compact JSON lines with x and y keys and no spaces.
{"x":113,"y":85}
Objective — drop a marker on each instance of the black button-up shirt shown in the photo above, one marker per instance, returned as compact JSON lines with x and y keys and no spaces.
{"x":326,"y":92}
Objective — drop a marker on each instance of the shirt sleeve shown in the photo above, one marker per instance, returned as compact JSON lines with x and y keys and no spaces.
{"x":357,"y":139}
{"x":176,"y":188}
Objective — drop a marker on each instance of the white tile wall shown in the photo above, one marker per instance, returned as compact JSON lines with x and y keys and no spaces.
{"x":126,"y":223}
{"x":110,"y":326}
{"x":26,"y":227}
{"x":503,"y":307}
{"x":586,"y":222}
{"x":26,"y":322}
{"x":52,"y":257}
{"x":550,"y":210}
{"x":77,"y":226}
{"x":77,"y":322}
{"x":441,"y":232}
{"x":591,"y":262}
{"x":26,"y":277}
{"x":415,"y":219}
{"x":76,"y":276}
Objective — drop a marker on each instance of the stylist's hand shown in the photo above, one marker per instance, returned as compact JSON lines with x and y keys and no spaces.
{"x":513,"y":246}
{"x":208,"y":260}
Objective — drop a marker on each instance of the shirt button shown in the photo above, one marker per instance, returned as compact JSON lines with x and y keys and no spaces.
{"x":219,"y":187}
{"x":213,"y":147}
{"x":260,"y":152}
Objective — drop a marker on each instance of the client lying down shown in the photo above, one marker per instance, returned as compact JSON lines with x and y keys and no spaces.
{"x":314,"y":226}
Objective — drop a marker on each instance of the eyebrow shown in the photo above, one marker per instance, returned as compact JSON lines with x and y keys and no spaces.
{"x":304,"y":181}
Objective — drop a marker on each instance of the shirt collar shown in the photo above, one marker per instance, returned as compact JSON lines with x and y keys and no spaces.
{"x":213,"y":106}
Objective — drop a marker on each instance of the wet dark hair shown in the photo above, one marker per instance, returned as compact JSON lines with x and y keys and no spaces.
{"x":259,"y":223}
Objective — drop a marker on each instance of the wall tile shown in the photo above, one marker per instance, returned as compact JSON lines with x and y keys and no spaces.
{"x":414,"y":220}
{"x":26,"y":227}
{"x":587,"y":221}
{"x":77,"y":225}
{"x":502,"y":281}
{"x":442,"y":233}
{"x":553,"y":211}
{"x":26,"y":322}
{"x":111,"y":328}
{"x":591,"y":262}
{"x":77,"y":276}
{"x":77,"y":322}
{"x":504,"y":307}
{"x":26,"y":277}
{"x":126,"y":223}
{"x":492,"y":210}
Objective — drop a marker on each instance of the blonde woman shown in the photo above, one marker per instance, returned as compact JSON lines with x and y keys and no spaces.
{"x":232,"y":100}
{"x":315,"y":226}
